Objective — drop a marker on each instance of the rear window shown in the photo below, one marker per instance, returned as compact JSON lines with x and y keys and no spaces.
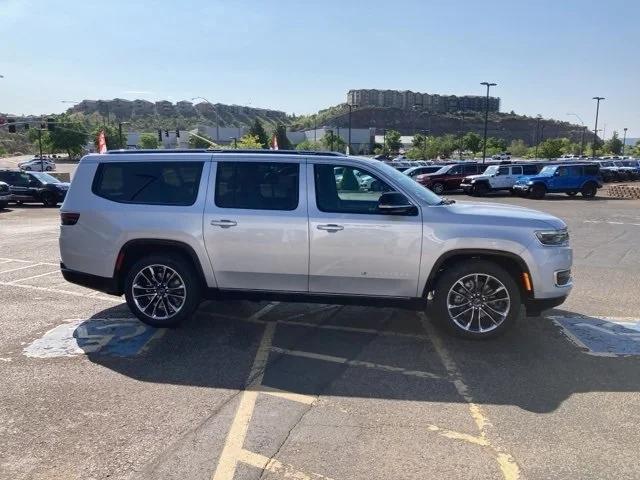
{"x":149,"y":183}
{"x":258,"y":185}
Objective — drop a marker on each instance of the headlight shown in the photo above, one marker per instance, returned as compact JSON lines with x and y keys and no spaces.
{"x":530,"y":183}
{"x":554,"y":238}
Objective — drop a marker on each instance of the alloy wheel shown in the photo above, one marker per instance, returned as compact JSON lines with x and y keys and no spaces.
{"x":478,"y":303}
{"x":159,"y":291}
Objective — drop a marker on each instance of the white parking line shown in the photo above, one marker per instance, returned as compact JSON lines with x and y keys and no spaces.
{"x":19,"y":260}
{"x":355,"y":363}
{"x":63,"y":292}
{"x":35,"y":276}
{"x":21,"y":268}
{"x":609,"y":222}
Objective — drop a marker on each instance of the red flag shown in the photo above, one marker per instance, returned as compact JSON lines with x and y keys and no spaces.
{"x":102,"y":142}
{"x":274,"y":142}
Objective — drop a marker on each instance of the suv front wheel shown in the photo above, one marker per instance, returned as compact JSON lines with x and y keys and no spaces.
{"x":476,"y":299}
{"x":162,"y":291}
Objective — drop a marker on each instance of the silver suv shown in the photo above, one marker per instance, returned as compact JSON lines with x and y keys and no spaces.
{"x":168,"y":229}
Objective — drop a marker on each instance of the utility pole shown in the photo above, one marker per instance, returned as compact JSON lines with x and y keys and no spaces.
{"x":624,"y":141}
{"x":595,"y":129}
{"x":120,"y":132}
{"x":537,"y":138}
{"x":461,"y":133}
{"x":40,"y":143}
{"x":486,"y":120}
{"x":351,"y":107}
{"x":215,"y":110}
{"x":584,"y":129}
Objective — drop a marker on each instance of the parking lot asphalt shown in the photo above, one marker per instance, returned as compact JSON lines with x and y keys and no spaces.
{"x":271,"y":390}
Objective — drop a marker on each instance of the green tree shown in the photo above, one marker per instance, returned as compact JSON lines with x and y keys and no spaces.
{"x":614,"y":144}
{"x":550,"y":148}
{"x":472,"y":142}
{"x":201,"y":141}
{"x":309,"y":145}
{"x":148,"y":141}
{"x":47,"y":146}
{"x":257,"y":130}
{"x":331,"y":141}
{"x":392,"y":141}
{"x":518,"y":148}
{"x":636,"y":149}
{"x":249,"y":142}
{"x":281,"y":136}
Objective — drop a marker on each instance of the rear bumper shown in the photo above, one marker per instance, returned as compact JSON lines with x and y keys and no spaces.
{"x":94,"y":282}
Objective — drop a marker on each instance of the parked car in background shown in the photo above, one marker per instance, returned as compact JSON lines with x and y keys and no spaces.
{"x":37,"y":165}
{"x":628,"y":169}
{"x":449,"y":177}
{"x":415,"y":171}
{"x":170,"y":229}
{"x":502,"y":156}
{"x":570,"y":179}
{"x":34,"y":187}
{"x":608,"y":171}
{"x":5,"y":195}
{"x":498,"y":177}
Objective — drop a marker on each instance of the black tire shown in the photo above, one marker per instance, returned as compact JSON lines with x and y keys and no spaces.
{"x":27,"y":169}
{"x":438,"y":188}
{"x":572,"y":194}
{"x":459,"y":271}
{"x":589,"y":190}
{"x":538,"y":191}
{"x":49,"y":199}
{"x":187,"y":276}
{"x":3,"y":205}
{"x":480,"y":189}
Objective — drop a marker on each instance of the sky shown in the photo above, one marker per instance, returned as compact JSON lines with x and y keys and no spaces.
{"x":547,"y":57}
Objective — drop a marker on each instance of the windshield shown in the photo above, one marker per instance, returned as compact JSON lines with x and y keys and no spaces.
{"x":547,"y":171}
{"x":606,"y":164}
{"x":45,"y":177}
{"x":411,"y":186}
{"x":491,"y":170}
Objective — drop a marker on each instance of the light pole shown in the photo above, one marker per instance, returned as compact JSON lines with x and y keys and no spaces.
{"x":120,"y":131}
{"x":624,"y":141}
{"x":486,"y":119}
{"x":595,"y":129}
{"x":537,"y":137}
{"x":351,"y":107}
{"x":583,"y":128}
{"x":215,"y":110}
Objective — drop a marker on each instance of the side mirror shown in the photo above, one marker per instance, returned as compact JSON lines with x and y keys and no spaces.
{"x":394,"y":203}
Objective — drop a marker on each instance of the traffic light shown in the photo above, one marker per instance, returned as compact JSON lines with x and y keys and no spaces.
{"x":166,"y":133}
{"x":50,"y":124}
{"x":177,"y":133}
{"x":12,"y":127}
{"x":159,"y":135}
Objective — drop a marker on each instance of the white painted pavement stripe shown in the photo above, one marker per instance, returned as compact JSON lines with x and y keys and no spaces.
{"x":35,"y":276}
{"x":355,"y":363}
{"x":609,"y":222}
{"x":21,"y":268}
{"x":63,"y":292}
{"x":19,"y":260}
{"x":233,"y":446}
{"x":5,"y":261}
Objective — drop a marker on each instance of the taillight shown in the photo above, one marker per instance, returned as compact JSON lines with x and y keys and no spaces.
{"x":68,"y":218}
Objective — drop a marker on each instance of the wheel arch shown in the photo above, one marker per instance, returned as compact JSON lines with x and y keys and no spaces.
{"x":132,"y":250}
{"x":513,"y":263}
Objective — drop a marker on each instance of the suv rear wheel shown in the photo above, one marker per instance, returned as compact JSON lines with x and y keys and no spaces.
{"x":162,"y":291}
{"x":476,"y":299}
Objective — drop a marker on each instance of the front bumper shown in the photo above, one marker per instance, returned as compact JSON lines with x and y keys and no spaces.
{"x":535,"y":306}
{"x":6,"y":198}
{"x":466,"y":187}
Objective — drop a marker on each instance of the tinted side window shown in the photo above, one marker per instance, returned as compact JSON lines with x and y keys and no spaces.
{"x":575,"y":171}
{"x":257,"y":186}
{"x":471,"y":169}
{"x":591,"y":170}
{"x":516,"y":170}
{"x":4,"y":177}
{"x":503,"y":171}
{"x":529,"y":170}
{"x":152,"y":183}
{"x":352,"y":191}
{"x":562,"y":171}
{"x":457,"y":170}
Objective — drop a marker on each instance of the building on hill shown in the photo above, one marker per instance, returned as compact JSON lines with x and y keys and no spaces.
{"x":407,"y":99}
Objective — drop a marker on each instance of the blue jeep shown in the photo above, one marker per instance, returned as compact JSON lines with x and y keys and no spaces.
{"x":570,"y":179}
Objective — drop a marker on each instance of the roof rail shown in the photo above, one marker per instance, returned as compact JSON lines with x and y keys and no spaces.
{"x":230,"y":151}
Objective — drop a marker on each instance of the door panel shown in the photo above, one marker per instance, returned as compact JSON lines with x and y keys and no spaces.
{"x":265,"y":244}
{"x":360,"y":253}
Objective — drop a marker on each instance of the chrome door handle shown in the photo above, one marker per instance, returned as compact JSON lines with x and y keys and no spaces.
{"x":224,"y":223}
{"x":330,"y":227}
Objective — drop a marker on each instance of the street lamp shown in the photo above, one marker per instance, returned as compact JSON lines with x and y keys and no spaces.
{"x":215,"y":110}
{"x":624,"y":141}
{"x":486,"y":119}
{"x":595,"y":129}
{"x":351,"y":107}
{"x":583,"y":129}
{"x":120,"y":131}
{"x":537,"y":137}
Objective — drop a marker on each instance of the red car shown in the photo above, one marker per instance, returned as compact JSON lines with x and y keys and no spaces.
{"x":449,"y":177}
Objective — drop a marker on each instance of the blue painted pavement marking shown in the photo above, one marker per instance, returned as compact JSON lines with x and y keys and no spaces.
{"x":610,"y":336}
{"x":119,"y":337}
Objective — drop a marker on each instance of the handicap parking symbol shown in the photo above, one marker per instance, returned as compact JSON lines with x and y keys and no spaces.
{"x":609,"y":336}
{"x":118,"y":337}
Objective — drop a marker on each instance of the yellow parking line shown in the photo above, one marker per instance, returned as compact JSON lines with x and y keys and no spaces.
{"x":508,"y":466}
{"x":235,"y":438}
{"x":355,"y":363}
{"x":272,"y":465}
{"x":294,"y":397}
